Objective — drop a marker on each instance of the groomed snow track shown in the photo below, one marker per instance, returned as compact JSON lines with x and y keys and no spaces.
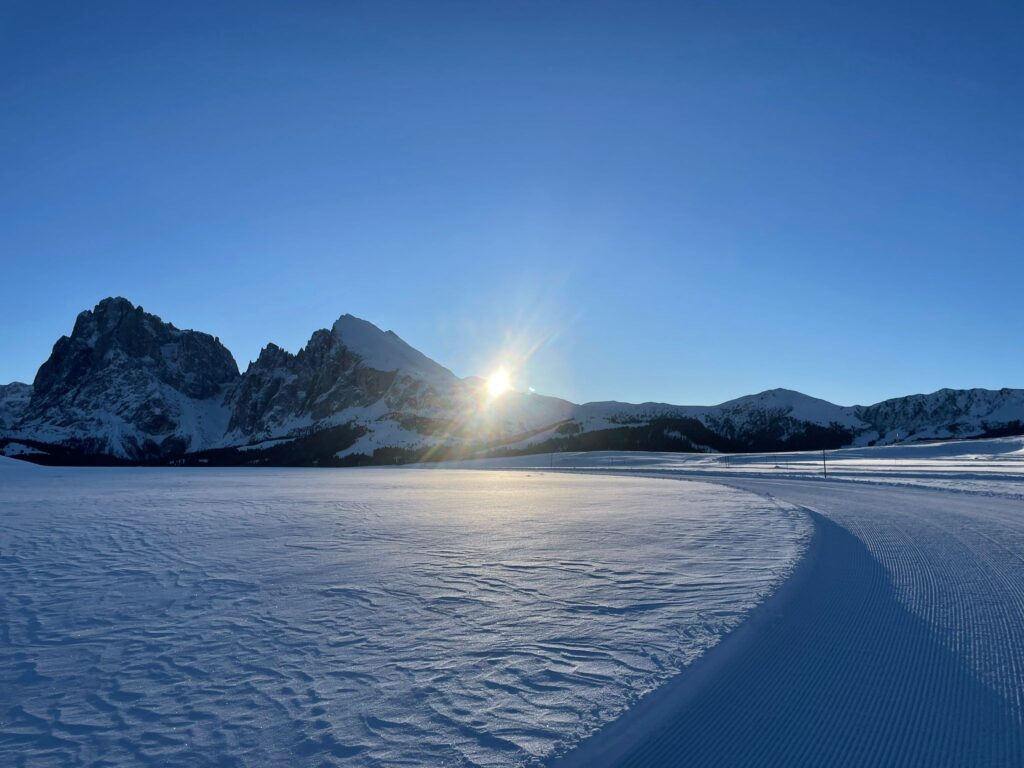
{"x":899,"y":641}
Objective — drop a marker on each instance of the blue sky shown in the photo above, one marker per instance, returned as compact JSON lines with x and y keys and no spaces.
{"x":682,"y":202}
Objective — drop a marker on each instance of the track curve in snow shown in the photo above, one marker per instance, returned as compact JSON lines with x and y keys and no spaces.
{"x":899,"y":641}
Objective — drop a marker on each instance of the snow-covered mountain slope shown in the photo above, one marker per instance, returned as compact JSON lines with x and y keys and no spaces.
{"x":782,"y":419}
{"x":127,"y":385}
{"x":948,"y":413}
{"x":740,"y":415}
{"x":14,"y":399}
{"x":778,"y":419}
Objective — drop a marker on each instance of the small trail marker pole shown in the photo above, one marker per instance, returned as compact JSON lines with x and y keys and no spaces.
{"x":824,"y":464}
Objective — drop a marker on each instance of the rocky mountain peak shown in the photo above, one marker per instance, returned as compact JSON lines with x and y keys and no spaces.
{"x":271,"y":356}
{"x":118,"y":333}
{"x":386,"y":351}
{"x":125,"y":381}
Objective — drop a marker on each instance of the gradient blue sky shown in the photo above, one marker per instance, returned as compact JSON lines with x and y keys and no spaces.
{"x":670,"y":201}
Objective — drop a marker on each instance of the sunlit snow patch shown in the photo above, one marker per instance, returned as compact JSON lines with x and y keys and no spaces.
{"x":366,"y":617}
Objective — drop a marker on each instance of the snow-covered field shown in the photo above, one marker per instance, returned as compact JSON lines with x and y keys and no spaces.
{"x":898,"y":641}
{"x":602,"y":614}
{"x":991,"y":467}
{"x":358,"y":617}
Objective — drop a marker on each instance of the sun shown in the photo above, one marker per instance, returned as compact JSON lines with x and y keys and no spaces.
{"x":498,"y":382}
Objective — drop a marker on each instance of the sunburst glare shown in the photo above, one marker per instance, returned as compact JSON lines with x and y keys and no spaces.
{"x":499,"y":382}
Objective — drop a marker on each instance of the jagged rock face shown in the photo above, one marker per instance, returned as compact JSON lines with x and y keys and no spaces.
{"x":129,"y":384}
{"x":354,"y":365}
{"x":14,"y":399}
{"x":281,"y":388}
{"x":196,"y":364}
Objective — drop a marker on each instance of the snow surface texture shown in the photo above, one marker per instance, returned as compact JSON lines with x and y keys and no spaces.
{"x":362,"y":617}
{"x":899,"y":640}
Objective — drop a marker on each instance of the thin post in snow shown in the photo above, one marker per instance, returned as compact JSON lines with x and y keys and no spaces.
{"x":824,"y":464}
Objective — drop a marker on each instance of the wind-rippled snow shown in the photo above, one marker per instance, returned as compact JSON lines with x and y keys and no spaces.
{"x":362,"y":617}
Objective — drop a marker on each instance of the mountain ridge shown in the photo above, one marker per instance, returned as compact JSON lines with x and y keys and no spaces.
{"x":127,"y":387}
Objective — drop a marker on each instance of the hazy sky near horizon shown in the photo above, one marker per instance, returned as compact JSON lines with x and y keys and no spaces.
{"x":683,"y":202}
